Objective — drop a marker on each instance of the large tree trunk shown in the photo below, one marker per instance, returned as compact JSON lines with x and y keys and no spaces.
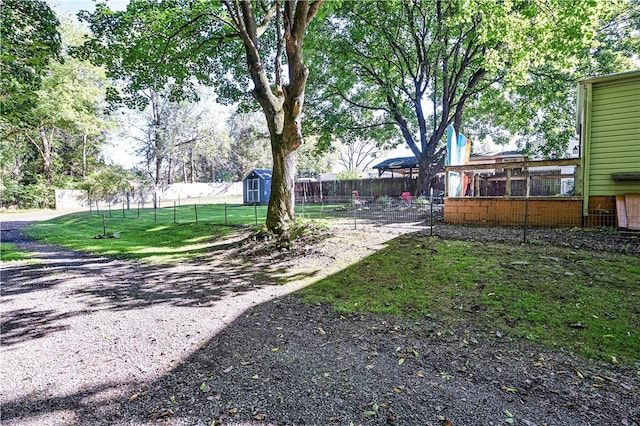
{"x":169,"y":169}
{"x":192,"y":166}
{"x":158,"y":172}
{"x":424,"y":176}
{"x":282,"y":104}
{"x":282,"y":201}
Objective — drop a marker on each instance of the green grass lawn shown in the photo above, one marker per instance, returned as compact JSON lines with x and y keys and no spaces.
{"x":162,"y":235}
{"x":10,"y":252}
{"x":220,"y":214}
{"x":582,"y":301}
{"x":138,"y":238}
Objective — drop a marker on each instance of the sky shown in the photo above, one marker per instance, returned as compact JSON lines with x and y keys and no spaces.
{"x":74,"y":6}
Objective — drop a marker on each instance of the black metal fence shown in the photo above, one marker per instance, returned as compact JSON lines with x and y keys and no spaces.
{"x":427,"y":212}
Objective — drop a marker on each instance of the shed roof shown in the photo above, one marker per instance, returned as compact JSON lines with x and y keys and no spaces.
{"x":261,"y":173}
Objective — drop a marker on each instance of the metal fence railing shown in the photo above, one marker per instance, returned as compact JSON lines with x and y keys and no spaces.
{"x":527,"y":224}
{"x":218,"y":214}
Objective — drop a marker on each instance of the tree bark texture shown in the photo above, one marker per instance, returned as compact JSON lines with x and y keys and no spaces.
{"x":282,"y":104}
{"x":47,"y":153}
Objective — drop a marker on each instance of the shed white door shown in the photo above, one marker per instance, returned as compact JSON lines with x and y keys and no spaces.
{"x":253,"y":190}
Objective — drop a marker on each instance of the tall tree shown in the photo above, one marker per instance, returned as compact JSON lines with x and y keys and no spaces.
{"x":172,"y":136}
{"x":155,"y":42}
{"x":416,"y":66}
{"x":539,"y":112}
{"x":29,"y":41}
{"x":314,"y":159}
{"x":63,"y":129}
{"x":68,"y":113}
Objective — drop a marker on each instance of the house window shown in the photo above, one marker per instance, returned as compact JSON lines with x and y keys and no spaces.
{"x":253,"y":190}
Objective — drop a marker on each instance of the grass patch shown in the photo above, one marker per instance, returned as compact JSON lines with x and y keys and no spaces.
{"x":582,"y":301}
{"x":166,"y":234}
{"x":10,"y":252}
{"x":139,"y":238}
{"x":219,"y":214}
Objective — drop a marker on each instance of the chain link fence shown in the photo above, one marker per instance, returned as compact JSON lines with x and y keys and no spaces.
{"x":511,"y":222}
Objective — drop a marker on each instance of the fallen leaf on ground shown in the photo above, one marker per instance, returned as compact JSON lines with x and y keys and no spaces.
{"x":508,"y":389}
{"x":133,"y":397}
{"x":413,"y":351}
{"x":260,"y":417}
{"x":233,"y":410}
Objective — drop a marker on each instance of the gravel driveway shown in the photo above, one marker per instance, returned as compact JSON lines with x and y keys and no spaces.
{"x":93,"y":341}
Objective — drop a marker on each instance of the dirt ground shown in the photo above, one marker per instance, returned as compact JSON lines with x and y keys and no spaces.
{"x":223,"y":340}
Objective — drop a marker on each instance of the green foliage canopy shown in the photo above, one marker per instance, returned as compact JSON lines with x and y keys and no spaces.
{"x":389,"y":65}
{"x":165,"y":45}
{"x":541,"y":107}
{"x":29,"y":40}
{"x":55,"y":138}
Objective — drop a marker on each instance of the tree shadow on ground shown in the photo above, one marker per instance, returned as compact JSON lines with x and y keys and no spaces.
{"x":90,"y":284}
{"x":288,"y":362}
